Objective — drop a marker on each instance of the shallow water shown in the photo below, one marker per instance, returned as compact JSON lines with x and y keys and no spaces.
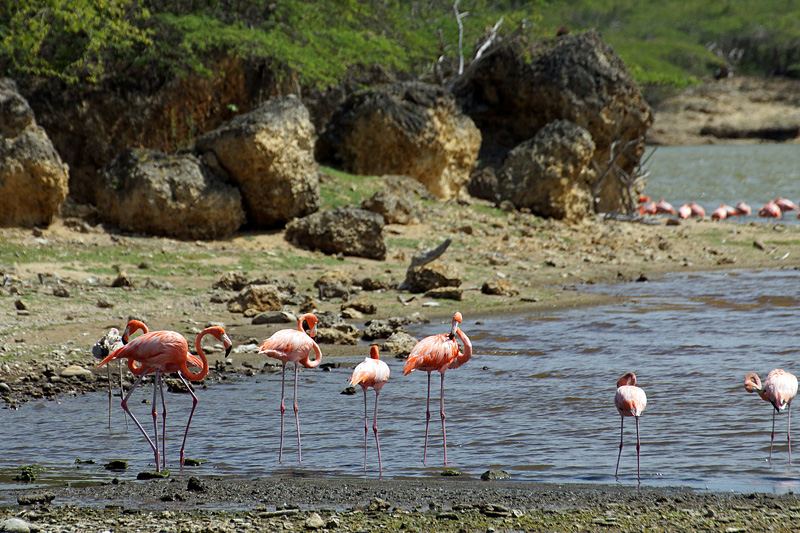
{"x":712,"y":175}
{"x":535,"y":400}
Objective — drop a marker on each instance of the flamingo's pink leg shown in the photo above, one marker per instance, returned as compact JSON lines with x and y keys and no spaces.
{"x":788,"y":431}
{"x":772,"y":438}
{"x":621,"y":424}
{"x":427,"y":418}
{"x":444,"y":432}
{"x":375,"y":429}
{"x":283,"y":410}
{"x":638,"y":448}
{"x":191,"y":414}
{"x":163,"y":421}
{"x":125,"y":408}
{"x":366,"y":428}
{"x":296,"y":414}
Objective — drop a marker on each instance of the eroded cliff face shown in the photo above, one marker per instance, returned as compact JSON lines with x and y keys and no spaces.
{"x":89,"y":126}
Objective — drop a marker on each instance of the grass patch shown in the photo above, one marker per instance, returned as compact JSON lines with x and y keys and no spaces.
{"x":340,"y":189}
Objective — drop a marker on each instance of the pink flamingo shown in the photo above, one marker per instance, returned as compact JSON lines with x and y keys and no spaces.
{"x":372,"y":372}
{"x":779,"y":388}
{"x":163,"y":351}
{"x":649,"y":208}
{"x":786,"y":205}
{"x":168,"y":368}
{"x":770,"y":210}
{"x":439,"y":352}
{"x":664,"y":207}
{"x":630,"y":401}
{"x":684,"y":211}
{"x":743,"y":209}
{"x":697,"y":210}
{"x":720,"y":213}
{"x":293,"y":345}
{"x":643,"y":198}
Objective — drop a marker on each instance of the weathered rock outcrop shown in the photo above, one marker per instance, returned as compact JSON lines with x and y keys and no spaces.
{"x":269,"y":154}
{"x":397,"y":202}
{"x":346,"y":231}
{"x":147,"y":191}
{"x":410,"y":128}
{"x":33,"y":179}
{"x":91,"y":124}
{"x":433,"y":276}
{"x":551,"y":173}
{"x":520,"y":87}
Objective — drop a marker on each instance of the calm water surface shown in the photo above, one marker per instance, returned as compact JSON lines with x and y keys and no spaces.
{"x":535,"y":400}
{"x":712,"y":175}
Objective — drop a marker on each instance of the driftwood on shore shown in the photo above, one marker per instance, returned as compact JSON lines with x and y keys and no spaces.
{"x":423,"y":259}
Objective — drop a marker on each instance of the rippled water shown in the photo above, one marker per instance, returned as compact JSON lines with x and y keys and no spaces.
{"x":712,"y":175}
{"x":535,"y":400}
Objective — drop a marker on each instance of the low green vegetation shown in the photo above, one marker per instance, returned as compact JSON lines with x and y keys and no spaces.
{"x":340,"y":189}
{"x":672,"y":42}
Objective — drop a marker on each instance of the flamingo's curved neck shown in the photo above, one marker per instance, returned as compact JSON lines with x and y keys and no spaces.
{"x":463,"y":357}
{"x":132,"y":327}
{"x":315,"y":363}
{"x":201,"y":354}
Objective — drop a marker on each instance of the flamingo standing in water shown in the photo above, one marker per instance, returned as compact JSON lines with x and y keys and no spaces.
{"x":720,"y":213}
{"x":743,"y":209}
{"x":439,"y":352}
{"x":786,"y":205}
{"x":770,"y":210}
{"x":664,"y":207}
{"x":779,"y":388}
{"x":163,"y":351}
{"x":684,"y":211}
{"x":697,"y":210}
{"x":372,"y":372}
{"x":630,"y":401}
{"x":293,"y":345}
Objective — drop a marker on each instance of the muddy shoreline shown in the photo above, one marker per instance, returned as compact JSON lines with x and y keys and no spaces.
{"x":358,"y":504}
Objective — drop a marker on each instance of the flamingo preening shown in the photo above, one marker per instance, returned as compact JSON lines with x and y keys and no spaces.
{"x":295,"y":346}
{"x":439,"y":352}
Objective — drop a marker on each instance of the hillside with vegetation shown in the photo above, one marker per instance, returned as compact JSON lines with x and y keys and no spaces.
{"x":671,"y":43}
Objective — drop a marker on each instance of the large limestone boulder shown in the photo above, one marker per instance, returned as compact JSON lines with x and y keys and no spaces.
{"x":551,"y":173}
{"x":33,"y":179}
{"x":146,"y":191}
{"x":410,"y":128}
{"x":519,"y":87}
{"x":269,"y":154}
{"x":353,"y":232}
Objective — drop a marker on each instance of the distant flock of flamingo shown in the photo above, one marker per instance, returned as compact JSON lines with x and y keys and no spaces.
{"x":167,"y":351}
{"x":772,"y":209}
